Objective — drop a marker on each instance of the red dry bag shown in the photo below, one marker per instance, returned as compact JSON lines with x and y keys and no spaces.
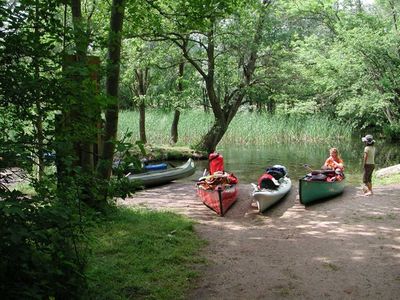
{"x":216,"y":163}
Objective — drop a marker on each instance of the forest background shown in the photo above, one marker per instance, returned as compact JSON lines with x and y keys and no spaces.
{"x":69,"y":67}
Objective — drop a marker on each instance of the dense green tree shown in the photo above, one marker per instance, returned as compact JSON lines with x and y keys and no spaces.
{"x":205,"y":34}
{"x":39,"y":232}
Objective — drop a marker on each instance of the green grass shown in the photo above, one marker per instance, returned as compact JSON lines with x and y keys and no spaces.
{"x":24,"y":187}
{"x":246,"y":128}
{"x":387,"y":180}
{"x":140,"y":254}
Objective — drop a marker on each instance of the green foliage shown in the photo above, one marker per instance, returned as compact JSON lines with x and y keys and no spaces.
{"x":392,"y":131}
{"x":40,"y":248}
{"x":350,"y":71}
{"x":43,"y":246}
{"x":142,"y":254}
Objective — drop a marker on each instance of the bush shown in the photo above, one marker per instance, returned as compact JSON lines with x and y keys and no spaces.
{"x":392,"y":131}
{"x":39,"y":249}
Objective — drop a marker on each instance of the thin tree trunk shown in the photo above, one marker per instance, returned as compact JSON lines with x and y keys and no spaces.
{"x":112,"y":83}
{"x":205,"y":100}
{"x":174,"y":126}
{"x":79,"y":30}
{"x":39,"y":118}
{"x":142,"y":121}
{"x":394,"y":14}
{"x":142,"y":84}
{"x":177,"y":113}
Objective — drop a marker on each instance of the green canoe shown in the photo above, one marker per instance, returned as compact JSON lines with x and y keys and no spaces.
{"x":312,"y":191}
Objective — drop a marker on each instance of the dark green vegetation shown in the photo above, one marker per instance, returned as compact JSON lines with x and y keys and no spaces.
{"x":141,"y":254}
{"x":66,"y":67}
{"x":42,"y":248}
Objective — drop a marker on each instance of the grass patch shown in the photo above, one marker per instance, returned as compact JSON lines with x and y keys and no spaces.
{"x":387,"y":180}
{"x":141,"y":254}
{"x":24,"y":187}
{"x":246,"y":128}
{"x":167,"y":152}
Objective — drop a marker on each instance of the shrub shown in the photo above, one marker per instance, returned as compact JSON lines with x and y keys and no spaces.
{"x":40,"y":250}
{"x":392,"y":131}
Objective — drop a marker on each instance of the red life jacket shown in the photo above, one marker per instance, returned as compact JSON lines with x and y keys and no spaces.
{"x":267,"y":181}
{"x":216,"y":162}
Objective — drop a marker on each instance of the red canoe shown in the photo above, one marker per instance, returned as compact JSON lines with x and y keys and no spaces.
{"x":219,"y":199}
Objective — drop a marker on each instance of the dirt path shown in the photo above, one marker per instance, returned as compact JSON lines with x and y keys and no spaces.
{"x":344,"y":248}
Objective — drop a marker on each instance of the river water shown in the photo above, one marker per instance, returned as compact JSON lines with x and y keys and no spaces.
{"x":249,"y":162}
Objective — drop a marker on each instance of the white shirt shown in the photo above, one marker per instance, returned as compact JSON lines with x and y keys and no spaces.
{"x":370,"y":152}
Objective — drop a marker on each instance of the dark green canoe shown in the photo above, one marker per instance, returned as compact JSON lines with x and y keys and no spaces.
{"x":311,"y":191}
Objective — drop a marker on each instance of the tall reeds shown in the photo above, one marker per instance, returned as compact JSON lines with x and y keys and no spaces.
{"x":246,"y":128}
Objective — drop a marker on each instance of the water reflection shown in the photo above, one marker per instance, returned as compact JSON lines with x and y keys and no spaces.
{"x":248,"y":162}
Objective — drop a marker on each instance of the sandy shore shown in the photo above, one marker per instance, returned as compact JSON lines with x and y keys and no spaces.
{"x":344,"y":248}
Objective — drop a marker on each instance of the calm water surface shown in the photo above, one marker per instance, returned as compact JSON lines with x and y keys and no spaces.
{"x":249,"y":162}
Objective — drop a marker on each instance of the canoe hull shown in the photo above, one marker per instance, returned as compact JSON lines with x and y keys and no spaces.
{"x":219,"y":200}
{"x":159,"y":177}
{"x":312,"y":191}
{"x":267,"y":198}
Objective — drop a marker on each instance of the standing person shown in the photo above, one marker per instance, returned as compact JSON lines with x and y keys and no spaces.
{"x":368,"y":163}
{"x":334,"y":161}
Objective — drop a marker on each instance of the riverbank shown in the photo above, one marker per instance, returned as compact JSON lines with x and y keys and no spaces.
{"x":347,"y":247}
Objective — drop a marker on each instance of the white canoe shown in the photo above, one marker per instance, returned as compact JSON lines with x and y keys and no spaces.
{"x":268,"y":197}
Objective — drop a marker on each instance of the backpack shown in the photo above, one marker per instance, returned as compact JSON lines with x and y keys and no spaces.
{"x":216,"y":163}
{"x":267,"y":181}
{"x":277,"y":171}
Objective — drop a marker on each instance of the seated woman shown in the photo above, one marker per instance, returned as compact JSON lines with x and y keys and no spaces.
{"x":334,"y":161}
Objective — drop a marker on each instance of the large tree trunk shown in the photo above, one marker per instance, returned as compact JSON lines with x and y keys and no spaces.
{"x":211,"y":139}
{"x":112,"y":82}
{"x":81,"y":111}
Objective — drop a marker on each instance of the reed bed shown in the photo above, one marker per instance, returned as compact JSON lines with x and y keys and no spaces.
{"x":246,"y":128}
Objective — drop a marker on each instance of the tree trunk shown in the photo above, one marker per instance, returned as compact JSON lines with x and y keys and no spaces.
{"x":112,"y":82}
{"x":224,"y":115}
{"x":177,"y":113}
{"x":211,"y":139}
{"x":38,"y":124}
{"x":142,"y":121}
{"x":80,"y":112}
{"x":205,"y":100}
{"x":174,"y":126}
{"x":141,"y":86}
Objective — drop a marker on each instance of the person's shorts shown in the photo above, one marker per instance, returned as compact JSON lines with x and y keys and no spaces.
{"x":368,"y":169}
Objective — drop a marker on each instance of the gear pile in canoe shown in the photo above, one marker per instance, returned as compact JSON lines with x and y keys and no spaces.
{"x":218,"y":191}
{"x":272,"y":186}
{"x":325,"y":175}
{"x":321,"y":184}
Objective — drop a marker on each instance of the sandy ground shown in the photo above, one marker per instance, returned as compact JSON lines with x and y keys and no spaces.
{"x":344,"y":248}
